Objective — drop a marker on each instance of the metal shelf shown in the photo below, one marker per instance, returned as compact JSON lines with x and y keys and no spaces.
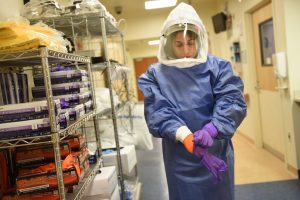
{"x":107,"y":111}
{"x":45,"y":139}
{"x":71,"y":128}
{"x":78,"y":194}
{"x":104,"y":112}
{"x":45,"y":57}
{"x":78,"y":24}
{"x":33,"y":57}
{"x":94,"y":24}
{"x":99,"y":66}
{"x":17,"y":142}
{"x":116,"y":68}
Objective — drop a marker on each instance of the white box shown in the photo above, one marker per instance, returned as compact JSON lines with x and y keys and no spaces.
{"x":128,"y":159}
{"x":103,"y":184}
{"x":114,"y":196}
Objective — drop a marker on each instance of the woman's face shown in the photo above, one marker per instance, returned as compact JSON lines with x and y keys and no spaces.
{"x":184,"y":47}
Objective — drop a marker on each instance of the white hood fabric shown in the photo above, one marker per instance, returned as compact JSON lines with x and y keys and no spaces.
{"x":183,"y":14}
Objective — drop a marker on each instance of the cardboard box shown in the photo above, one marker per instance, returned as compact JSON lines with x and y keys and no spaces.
{"x":128,"y":158}
{"x":103,"y":184}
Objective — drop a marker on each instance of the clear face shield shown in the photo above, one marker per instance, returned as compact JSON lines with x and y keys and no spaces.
{"x":183,"y":45}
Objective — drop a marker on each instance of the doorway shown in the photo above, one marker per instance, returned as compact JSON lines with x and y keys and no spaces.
{"x":269,"y":97}
{"x":141,"y":65}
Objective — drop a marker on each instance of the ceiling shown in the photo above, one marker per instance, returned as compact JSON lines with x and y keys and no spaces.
{"x":137,"y":6}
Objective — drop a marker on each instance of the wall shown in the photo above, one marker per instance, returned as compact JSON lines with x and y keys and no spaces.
{"x":285,"y":15}
{"x":138,"y":49}
{"x":10,"y":9}
{"x":292,"y":16}
{"x":239,"y":33}
{"x":291,"y":8}
{"x":205,"y":11}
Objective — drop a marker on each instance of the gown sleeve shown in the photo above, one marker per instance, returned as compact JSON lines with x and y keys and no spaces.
{"x":230,"y":108}
{"x":160,"y":114}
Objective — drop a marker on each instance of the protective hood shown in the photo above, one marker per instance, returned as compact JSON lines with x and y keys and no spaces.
{"x":183,"y":18}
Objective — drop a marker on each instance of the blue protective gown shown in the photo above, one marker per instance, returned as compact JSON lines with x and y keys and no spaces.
{"x":192,"y":97}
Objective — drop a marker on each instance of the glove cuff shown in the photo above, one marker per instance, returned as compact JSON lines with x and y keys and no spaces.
{"x":182,"y":132}
{"x":211,"y":129}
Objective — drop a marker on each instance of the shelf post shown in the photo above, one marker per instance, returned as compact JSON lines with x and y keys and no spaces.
{"x":96,"y":125}
{"x":113,"y":111}
{"x":127,"y":84}
{"x":53,"y":122}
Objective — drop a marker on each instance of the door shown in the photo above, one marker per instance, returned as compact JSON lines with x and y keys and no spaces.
{"x":269,"y":96}
{"x":141,"y":65}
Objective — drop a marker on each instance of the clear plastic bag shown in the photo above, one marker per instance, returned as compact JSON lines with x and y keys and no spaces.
{"x":84,"y":6}
{"x":41,"y":8}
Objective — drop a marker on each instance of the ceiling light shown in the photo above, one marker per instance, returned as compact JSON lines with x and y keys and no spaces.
{"x":153,"y":4}
{"x":153,"y":42}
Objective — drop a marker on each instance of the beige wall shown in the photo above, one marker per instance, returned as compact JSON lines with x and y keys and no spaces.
{"x":292,"y":31}
{"x":286,"y":13}
{"x":240,"y":33}
{"x":206,"y":11}
{"x":291,"y":8}
{"x":138,"y":49}
{"x":10,"y":9}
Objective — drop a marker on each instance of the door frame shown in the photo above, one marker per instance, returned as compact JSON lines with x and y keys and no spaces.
{"x":147,"y":61}
{"x":258,"y":137}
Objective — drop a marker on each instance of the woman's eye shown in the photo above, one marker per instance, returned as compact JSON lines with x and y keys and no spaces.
{"x":191,"y":43}
{"x":179,"y":45}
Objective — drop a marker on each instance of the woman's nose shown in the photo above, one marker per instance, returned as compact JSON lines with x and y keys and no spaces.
{"x":186,"y":50}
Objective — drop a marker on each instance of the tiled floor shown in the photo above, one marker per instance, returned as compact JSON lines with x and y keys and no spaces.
{"x":255,"y":165}
{"x":152,"y":173}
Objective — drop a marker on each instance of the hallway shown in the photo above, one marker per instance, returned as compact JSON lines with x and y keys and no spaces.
{"x":252,"y":165}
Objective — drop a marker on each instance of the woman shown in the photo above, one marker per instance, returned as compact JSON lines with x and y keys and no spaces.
{"x":194,"y":102}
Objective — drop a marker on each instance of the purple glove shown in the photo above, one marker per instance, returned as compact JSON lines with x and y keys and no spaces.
{"x":199,"y":152}
{"x":215,"y":165}
{"x":211,"y":129}
{"x":211,"y":162}
{"x":204,"y":137}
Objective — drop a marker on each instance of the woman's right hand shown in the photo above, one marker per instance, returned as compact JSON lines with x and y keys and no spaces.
{"x":188,"y":143}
